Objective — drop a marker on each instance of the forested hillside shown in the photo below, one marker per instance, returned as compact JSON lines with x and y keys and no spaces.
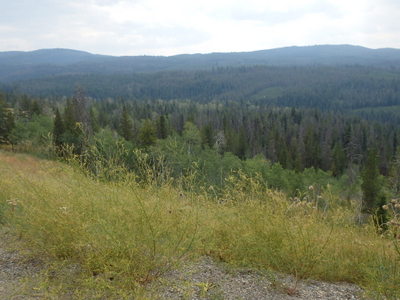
{"x":218,"y":137}
{"x":285,"y":160}
{"x":357,"y":80}
{"x":370,"y":93}
{"x":298,"y":191}
{"x":16,"y":66}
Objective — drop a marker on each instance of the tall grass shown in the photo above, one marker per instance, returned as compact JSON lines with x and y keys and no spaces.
{"x":123,"y":234}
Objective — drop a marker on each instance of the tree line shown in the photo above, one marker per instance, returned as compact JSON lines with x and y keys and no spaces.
{"x":295,"y":138}
{"x":290,"y":148}
{"x":322,"y":87}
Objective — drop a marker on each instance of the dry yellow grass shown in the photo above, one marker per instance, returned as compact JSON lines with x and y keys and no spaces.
{"x":123,"y":235}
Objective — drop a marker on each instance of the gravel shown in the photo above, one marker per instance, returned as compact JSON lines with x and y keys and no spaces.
{"x":207,"y":279}
{"x":14,"y":267}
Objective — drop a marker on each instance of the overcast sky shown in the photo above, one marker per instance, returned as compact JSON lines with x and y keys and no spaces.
{"x":167,"y":27}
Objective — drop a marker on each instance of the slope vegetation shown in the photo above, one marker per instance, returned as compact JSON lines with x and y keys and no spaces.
{"x":17,"y":65}
{"x":124,"y":235}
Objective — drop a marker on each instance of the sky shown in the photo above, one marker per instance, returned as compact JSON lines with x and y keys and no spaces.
{"x":168,"y":27}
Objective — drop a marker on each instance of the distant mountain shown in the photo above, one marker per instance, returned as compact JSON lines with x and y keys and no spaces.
{"x":58,"y":57}
{"x":17,"y":66}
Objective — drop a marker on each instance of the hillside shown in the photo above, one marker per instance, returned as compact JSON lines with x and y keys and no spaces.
{"x":15,"y":66}
{"x":119,"y":239}
{"x":323,"y":87}
{"x":324,"y":77}
{"x":268,"y":174}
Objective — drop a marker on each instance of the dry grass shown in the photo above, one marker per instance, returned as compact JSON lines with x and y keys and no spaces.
{"x":123,"y":235}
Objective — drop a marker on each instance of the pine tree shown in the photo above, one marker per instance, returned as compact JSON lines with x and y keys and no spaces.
{"x":126,"y":126}
{"x":162,"y":131}
{"x":73,"y":130}
{"x":81,"y":111}
{"x":147,"y":133}
{"x":58,"y":130}
{"x":241,"y":146}
{"x":94,"y":120}
{"x":338,"y":160}
{"x":7,"y":123}
{"x":36,"y":109}
{"x":207,"y":136}
{"x":180,"y":124}
{"x":380,"y":217}
{"x":69,"y":117}
{"x":370,"y":186}
{"x":394,"y":173}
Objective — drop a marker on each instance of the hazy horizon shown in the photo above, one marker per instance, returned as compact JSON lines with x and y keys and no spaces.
{"x":154,"y":27}
{"x":193,"y":53}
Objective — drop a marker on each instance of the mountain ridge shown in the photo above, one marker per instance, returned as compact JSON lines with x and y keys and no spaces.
{"x":19,"y":65}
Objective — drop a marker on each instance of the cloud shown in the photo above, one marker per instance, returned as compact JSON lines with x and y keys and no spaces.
{"x":131,"y":27}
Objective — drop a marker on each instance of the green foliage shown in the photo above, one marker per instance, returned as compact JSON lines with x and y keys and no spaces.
{"x":207,"y":136}
{"x":179,"y":156}
{"x":394,"y":173}
{"x":191,"y":135}
{"x":74,"y":134}
{"x":108,"y":156}
{"x":162,"y":128}
{"x":339,"y":160}
{"x":381,"y":217}
{"x":58,"y":130}
{"x":147,"y":133}
{"x":94,"y":119}
{"x":35,"y":131}
{"x":371,"y":186}
{"x":296,"y":138}
{"x":126,"y":126}
{"x":7,"y":122}
{"x":340,"y":87}
{"x":133,"y":234}
{"x":241,"y":146}
{"x":232,"y":158}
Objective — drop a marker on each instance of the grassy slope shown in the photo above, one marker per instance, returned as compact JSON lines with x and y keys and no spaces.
{"x":122,"y":235}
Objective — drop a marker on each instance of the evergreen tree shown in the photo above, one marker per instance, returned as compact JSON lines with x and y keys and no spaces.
{"x":36,"y":109}
{"x":241,"y":146}
{"x":312,"y":149}
{"x":162,"y":131}
{"x":339,"y":160}
{"x":370,"y":186}
{"x":180,"y":124}
{"x":69,"y":117}
{"x":381,"y":218}
{"x":394,"y":173}
{"x":94,"y":120}
{"x":147,"y":133}
{"x":81,"y":111}
{"x":73,"y":131}
{"x":207,"y":136}
{"x":58,"y":130}
{"x":7,"y":123}
{"x":126,"y":126}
